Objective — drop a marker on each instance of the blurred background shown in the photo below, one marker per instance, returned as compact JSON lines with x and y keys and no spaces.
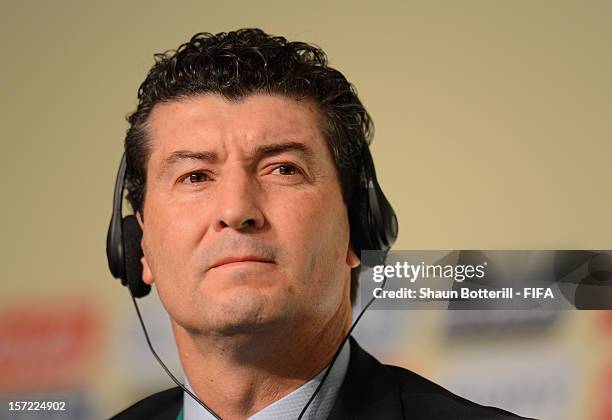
{"x":493,"y":131}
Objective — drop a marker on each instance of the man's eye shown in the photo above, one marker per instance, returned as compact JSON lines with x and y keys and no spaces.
{"x":195,"y":178}
{"x":286,"y":170}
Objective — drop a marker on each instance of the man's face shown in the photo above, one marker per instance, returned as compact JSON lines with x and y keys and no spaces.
{"x":244,"y":225}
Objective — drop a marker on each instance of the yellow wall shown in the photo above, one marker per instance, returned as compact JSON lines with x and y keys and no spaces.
{"x":493,"y":128}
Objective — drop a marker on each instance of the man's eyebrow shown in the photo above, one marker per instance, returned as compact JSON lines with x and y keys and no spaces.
{"x":260,"y":152}
{"x":182,"y":155}
{"x":290,"y":146}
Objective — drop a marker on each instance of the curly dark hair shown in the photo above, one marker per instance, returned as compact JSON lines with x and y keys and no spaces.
{"x":244,"y":62}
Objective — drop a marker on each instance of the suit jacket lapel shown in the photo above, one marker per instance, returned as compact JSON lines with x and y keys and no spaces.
{"x":369,"y":391}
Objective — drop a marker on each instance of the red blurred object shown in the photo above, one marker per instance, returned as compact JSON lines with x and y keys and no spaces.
{"x":48,"y":345}
{"x":603,"y":392}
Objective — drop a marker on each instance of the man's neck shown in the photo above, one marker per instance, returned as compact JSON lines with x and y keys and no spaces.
{"x":238,"y":375}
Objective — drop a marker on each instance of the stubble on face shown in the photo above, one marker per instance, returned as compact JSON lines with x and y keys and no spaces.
{"x":303,"y":230}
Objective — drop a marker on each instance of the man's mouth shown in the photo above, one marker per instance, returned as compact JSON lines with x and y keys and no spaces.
{"x":237,"y":260}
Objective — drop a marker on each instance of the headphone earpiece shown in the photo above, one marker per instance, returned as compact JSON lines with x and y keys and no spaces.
{"x":123,"y":249}
{"x":132,"y":237}
{"x":372,"y":219}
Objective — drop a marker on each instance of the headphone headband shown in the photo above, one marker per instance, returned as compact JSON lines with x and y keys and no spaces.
{"x":114,"y":237}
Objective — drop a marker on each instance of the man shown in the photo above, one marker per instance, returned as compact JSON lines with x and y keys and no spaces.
{"x":244,"y":157}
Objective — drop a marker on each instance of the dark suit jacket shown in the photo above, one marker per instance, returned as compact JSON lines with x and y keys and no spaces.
{"x":370,"y":391}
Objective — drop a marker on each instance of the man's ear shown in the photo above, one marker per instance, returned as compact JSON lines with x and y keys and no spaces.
{"x":139,"y":218}
{"x":352,"y":260}
{"x":147,"y":275}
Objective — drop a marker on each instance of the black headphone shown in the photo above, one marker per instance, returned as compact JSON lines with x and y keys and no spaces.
{"x":373,"y":225}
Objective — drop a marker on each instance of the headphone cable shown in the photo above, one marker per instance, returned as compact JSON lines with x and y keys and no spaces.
{"x":333,"y":360}
{"x":176,"y":381}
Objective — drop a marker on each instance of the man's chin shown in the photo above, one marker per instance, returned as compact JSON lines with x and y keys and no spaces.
{"x":244,"y":329}
{"x":244,"y":314}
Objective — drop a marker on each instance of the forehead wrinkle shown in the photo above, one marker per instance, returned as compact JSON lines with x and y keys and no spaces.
{"x":308,"y":151}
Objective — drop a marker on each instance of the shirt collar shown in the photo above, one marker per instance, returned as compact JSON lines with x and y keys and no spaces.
{"x":291,"y":405}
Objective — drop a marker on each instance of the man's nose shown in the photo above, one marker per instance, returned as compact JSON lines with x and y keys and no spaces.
{"x":237,"y":204}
